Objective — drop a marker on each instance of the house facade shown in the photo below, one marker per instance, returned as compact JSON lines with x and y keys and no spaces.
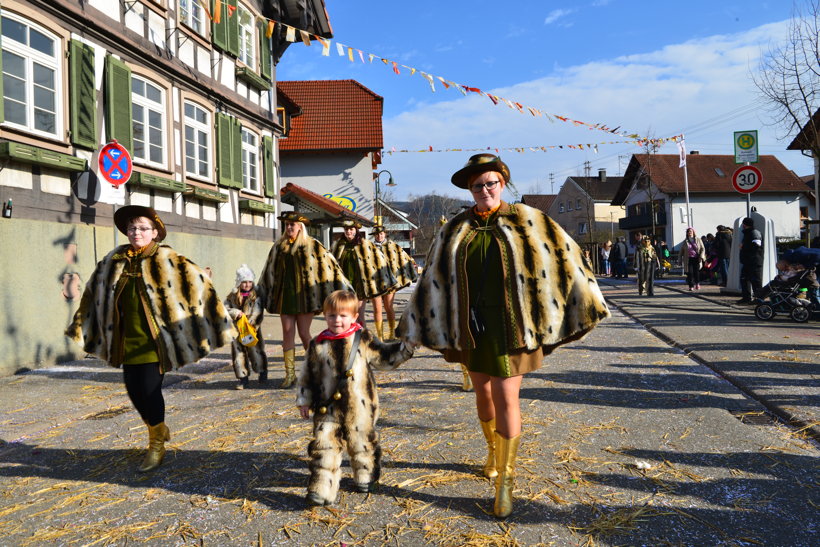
{"x":654,"y":186}
{"x":583,"y":207}
{"x":333,"y":140}
{"x":398,"y":226}
{"x":186,"y":91}
{"x":808,"y":142}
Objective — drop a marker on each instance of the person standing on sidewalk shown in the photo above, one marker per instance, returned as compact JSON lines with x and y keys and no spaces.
{"x":298,"y":275}
{"x":723,"y":246}
{"x":503,"y":286}
{"x":646,"y":263}
{"x":364,"y":264}
{"x":692,"y":255}
{"x":405,"y":273}
{"x":618,"y":256}
{"x":751,"y":261}
{"x":246,"y":300}
{"x":149,"y":310}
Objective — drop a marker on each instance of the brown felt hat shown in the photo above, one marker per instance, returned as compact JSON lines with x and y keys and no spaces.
{"x":125,"y":214}
{"x":378,"y":229}
{"x":479,"y":164}
{"x":293,"y":216}
{"x":350,"y":223}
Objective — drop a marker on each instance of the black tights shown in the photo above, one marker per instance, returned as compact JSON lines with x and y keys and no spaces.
{"x":144,"y":386}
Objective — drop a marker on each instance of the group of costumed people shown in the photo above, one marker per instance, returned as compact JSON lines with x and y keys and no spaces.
{"x":503,"y":286}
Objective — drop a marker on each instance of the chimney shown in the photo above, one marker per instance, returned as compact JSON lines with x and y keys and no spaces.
{"x":602,"y":175}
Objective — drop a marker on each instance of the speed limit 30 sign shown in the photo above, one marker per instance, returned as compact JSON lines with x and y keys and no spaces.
{"x":747,"y":179}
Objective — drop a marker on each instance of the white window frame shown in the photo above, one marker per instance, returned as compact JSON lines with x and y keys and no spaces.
{"x":30,"y":57}
{"x":250,"y":161}
{"x":561,"y":207}
{"x":192,"y":15}
{"x":248,"y":44}
{"x":203,"y":135}
{"x":569,"y":205}
{"x":147,"y":105}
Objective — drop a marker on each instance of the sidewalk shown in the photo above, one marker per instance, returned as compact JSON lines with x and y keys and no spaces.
{"x":774,"y":362}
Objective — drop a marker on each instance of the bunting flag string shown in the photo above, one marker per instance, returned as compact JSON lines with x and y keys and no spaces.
{"x":348,"y":51}
{"x":522,"y":149}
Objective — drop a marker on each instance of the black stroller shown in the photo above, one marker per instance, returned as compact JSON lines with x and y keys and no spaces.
{"x":787,"y":297}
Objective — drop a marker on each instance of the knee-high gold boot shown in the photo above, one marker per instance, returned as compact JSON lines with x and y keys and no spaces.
{"x":157,"y":435}
{"x":379,"y":329}
{"x":392,"y":334}
{"x":290,"y":368}
{"x":466,"y":381}
{"x":488,"y":428}
{"x":505,"y":453}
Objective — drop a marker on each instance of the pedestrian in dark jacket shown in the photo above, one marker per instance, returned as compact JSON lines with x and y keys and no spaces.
{"x":617,"y":256}
{"x":751,"y":261}
{"x":723,"y":246}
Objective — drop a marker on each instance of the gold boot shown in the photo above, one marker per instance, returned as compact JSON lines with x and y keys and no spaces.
{"x":290,"y":368}
{"x":505,"y":453}
{"x":488,"y":428}
{"x":379,"y":329}
{"x":466,"y":381}
{"x":157,"y":435}
{"x":392,"y":334}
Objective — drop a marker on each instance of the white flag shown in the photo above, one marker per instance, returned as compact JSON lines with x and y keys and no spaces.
{"x":682,"y":152}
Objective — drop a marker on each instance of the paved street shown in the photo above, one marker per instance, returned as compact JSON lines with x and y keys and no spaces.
{"x":629,"y":439}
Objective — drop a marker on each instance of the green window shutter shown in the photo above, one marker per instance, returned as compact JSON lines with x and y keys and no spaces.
{"x":219,"y":32}
{"x":265,"y":57}
{"x":233,"y":28}
{"x":83,"y":93}
{"x":2,"y":111}
{"x":269,"y":167}
{"x":236,"y":152}
{"x":225,"y":129}
{"x":118,"y":116}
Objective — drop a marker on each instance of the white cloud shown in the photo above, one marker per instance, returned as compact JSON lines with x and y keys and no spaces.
{"x":688,"y":87}
{"x":557,"y":14}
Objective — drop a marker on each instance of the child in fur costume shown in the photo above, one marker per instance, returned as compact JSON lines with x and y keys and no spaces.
{"x":246,"y":299}
{"x":336,"y":396}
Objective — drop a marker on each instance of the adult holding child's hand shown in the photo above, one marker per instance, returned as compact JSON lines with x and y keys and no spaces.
{"x":503,"y":286}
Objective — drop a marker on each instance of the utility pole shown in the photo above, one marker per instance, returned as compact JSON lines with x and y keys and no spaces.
{"x":552,"y":183}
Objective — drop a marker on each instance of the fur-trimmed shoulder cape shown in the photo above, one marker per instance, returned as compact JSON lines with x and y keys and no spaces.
{"x":190,"y":319}
{"x":375,"y":276}
{"x":318,"y":275}
{"x":551,"y":295}
{"x":400,"y":263}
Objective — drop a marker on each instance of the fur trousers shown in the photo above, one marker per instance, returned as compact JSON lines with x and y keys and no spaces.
{"x":245,"y":358}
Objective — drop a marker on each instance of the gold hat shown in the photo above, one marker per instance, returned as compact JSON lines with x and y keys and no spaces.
{"x":378,"y":229}
{"x":124,"y":214}
{"x":480,"y":163}
{"x":293,"y":216}
{"x":350,"y":223}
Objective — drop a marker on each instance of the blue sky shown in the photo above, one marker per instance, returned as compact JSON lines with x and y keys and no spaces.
{"x":653,"y":68}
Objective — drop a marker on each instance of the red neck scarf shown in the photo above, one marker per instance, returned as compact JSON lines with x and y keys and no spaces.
{"x":327,"y":335}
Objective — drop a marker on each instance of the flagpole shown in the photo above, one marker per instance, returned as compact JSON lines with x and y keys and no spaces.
{"x":686,"y":180}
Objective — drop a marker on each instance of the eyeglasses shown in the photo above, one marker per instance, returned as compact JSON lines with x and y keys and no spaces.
{"x":489,"y":185}
{"x":135,"y":229}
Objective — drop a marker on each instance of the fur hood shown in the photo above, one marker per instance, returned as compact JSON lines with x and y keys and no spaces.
{"x":552,"y":296}
{"x":189,"y":317}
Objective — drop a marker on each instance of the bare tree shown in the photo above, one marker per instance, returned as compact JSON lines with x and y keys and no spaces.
{"x":426,"y":212}
{"x":789,"y":81}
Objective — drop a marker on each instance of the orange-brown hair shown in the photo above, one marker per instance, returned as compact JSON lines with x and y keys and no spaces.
{"x":341,"y":301}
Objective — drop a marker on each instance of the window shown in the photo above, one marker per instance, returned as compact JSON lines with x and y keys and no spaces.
{"x":191,"y":13}
{"x":247,"y":37}
{"x":197,"y":142}
{"x":31,"y":72}
{"x":250,"y":161}
{"x":582,"y":227}
{"x":578,"y":204}
{"x":561,"y":207}
{"x":569,"y":205}
{"x":148,"y":110}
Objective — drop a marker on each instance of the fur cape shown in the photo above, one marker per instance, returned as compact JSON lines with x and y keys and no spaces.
{"x":251,"y":307}
{"x":551,"y":295}
{"x":372,"y":268}
{"x":187,"y":316}
{"x":319,"y":275}
{"x":400,"y":263}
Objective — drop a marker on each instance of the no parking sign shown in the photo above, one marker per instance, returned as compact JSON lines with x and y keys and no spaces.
{"x":115,"y":163}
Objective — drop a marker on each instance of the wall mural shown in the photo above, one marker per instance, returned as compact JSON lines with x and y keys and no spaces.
{"x":345,"y":201}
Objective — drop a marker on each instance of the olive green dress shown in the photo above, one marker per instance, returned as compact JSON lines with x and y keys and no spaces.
{"x":138,"y":346}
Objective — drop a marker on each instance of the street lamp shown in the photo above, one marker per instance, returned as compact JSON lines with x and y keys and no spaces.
{"x":377,"y":218}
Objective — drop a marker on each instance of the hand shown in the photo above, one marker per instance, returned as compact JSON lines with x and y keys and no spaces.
{"x":304,"y":411}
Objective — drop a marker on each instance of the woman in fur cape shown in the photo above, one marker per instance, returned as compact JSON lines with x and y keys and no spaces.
{"x":299,"y":274}
{"x":503,"y":286}
{"x":149,"y":310}
{"x":404,"y":270}
{"x":363,"y":264}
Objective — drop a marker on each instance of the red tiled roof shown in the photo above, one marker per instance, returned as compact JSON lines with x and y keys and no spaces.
{"x":336,"y":115}
{"x":542,"y":202}
{"x":708,"y":174}
{"x":322,"y":202}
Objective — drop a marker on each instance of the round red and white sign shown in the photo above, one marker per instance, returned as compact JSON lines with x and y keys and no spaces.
{"x":747,"y":179}
{"x":115,"y":163}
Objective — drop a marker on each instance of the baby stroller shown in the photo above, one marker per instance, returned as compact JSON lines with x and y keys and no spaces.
{"x":790,"y":296}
